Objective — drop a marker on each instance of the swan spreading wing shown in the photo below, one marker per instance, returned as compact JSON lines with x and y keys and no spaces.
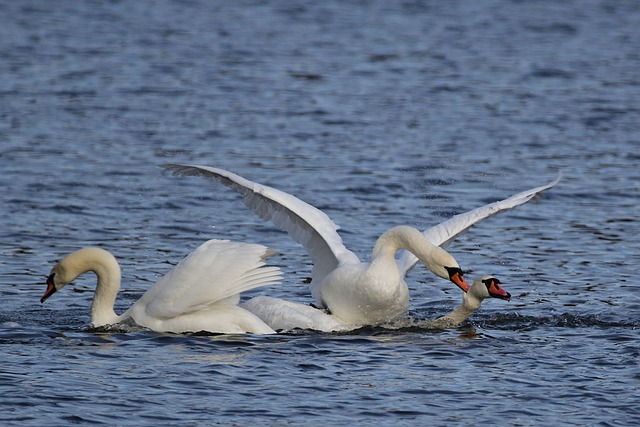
{"x":216,"y":271}
{"x":306,"y":224}
{"x":318,"y":233}
{"x":445,"y":232}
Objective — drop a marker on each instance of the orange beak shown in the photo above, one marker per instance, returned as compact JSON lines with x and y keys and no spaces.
{"x":496,"y":291}
{"x":51,"y":289}
{"x":458,"y":279}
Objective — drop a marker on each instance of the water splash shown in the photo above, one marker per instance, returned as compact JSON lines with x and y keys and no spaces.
{"x":518,"y":322}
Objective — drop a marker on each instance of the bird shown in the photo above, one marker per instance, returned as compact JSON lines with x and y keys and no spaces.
{"x":484,"y":287}
{"x":201,"y":293}
{"x":286,"y":316}
{"x":358,"y":293}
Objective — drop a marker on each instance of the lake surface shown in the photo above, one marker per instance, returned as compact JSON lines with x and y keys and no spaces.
{"x":380,"y":113}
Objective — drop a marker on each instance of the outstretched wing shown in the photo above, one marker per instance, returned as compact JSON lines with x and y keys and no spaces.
{"x":306,"y":224}
{"x":445,"y":232}
{"x":215,"y":271}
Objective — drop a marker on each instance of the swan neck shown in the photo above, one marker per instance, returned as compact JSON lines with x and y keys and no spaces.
{"x":470,"y":304}
{"x":102,"y":312}
{"x":402,"y":237}
{"x":107,"y":271}
{"x":412,"y":240}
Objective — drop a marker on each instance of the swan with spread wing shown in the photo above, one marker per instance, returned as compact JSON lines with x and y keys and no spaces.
{"x":200,"y":294}
{"x":355,"y":292}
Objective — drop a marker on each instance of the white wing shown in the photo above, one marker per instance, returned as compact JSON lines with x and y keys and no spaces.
{"x":445,"y":232}
{"x":215,"y":271}
{"x":306,"y":224}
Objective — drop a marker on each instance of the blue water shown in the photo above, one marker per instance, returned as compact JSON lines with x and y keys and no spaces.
{"x":380,"y":113}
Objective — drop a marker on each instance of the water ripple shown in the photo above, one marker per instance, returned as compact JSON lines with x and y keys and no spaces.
{"x":380,"y":114}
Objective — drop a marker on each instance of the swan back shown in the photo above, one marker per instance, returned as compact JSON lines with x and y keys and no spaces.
{"x":284,"y":315}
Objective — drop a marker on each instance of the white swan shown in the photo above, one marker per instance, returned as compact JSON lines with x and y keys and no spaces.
{"x":358,"y":293}
{"x":482,"y":288}
{"x":199,"y":294}
{"x":285,"y":316}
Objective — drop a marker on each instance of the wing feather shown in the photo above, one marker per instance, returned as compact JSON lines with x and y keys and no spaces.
{"x":445,"y":232}
{"x":216,"y":271}
{"x":306,"y":224}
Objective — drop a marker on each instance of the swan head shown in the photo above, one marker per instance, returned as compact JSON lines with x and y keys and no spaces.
{"x":456,"y":276}
{"x":488,"y":287}
{"x":437,"y":260}
{"x":444,"y":265}
{"x":58,"y":278}
{"x":52,"y":287}
{"x":75,"y":264}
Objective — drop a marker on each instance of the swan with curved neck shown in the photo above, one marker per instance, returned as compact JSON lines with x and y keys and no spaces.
{"x":199,"y":294}
{"x":376,"y":292}
{"x":354,"y":291}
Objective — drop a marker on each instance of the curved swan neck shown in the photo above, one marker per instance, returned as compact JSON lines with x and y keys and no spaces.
{"x":412,"y":240}
{"x":471,"y":302}
{"x":102,"y":312}
{"x":470,"y":305}
{"x":107,"y":270}
{"x":401,"y":237}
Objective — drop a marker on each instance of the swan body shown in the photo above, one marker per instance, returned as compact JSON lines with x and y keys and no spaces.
{"x":356,"y":292}
{"x":482,"y":288}
{"x":284,"y":315}
{"x":200,"y":294}
{"x":373,"y":293}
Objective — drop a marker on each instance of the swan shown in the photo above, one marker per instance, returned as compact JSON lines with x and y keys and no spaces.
{"x":356,"y":292}
{"x":484,"y":287}
{"x":200,"y":294}
{"x":282,"y":315}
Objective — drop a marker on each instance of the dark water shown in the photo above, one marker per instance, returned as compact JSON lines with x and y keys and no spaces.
{"x":380,"y":113}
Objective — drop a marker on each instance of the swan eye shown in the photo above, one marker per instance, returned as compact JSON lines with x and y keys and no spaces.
{"x":492,"y":284}
{"x":454,"y":270}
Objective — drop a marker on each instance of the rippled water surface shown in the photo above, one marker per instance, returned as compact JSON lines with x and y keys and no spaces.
{"x":379,"y":113}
